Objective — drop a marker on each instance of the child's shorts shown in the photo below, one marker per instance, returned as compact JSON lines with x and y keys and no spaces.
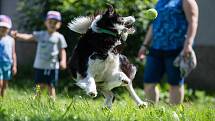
{"x":5,"y":71}
{"x":47,"y":76}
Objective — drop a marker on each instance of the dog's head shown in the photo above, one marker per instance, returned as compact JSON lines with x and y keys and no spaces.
{"x":112,"y":23}
{"x":109,"y":22}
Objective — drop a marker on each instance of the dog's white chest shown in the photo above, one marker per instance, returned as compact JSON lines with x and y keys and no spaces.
{"x":101,"y":70}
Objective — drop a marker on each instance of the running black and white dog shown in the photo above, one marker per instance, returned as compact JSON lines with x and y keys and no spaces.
{"x":96,"y":62}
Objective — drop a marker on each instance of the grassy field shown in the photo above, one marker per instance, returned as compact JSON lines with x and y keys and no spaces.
{"x":19,"y":105}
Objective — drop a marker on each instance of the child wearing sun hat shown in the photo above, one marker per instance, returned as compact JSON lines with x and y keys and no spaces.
{"x":8,"y":64}
{"x":50,"y":46}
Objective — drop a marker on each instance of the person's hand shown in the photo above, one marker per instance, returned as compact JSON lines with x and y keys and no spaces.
{"x":14,"y":70}
{"x":142,"y":53}
{"x":62,"y":65}
{"x":13,"y":33}
{"x":187,"y":50}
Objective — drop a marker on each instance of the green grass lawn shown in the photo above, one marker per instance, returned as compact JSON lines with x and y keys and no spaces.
{"x":19,"y":105}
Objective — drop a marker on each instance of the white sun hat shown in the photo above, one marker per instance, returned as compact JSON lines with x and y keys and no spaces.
{"x":5,"y":21}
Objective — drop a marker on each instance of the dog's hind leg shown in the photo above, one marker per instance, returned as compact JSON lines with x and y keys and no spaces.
{"x":135,"y":97}
{"x":109,"y":98}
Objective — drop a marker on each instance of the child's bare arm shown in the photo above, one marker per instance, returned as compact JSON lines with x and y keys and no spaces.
{"x":22,"y":36}
{"x":14,"y":67}
{"x":63,"y":58}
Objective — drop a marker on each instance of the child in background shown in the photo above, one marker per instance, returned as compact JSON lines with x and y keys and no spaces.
{"x":8,"y":64}
{"x":50,"y":46}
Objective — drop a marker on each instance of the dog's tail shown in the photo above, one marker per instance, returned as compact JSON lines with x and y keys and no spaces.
{"x":80,"y":24}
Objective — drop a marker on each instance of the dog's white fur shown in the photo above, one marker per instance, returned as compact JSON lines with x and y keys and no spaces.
{"x":110,"y":75}
{"x":93,"y":25}
{"x":80,"y":24}
{"x":106,"y":71}
{"x":105,"y":74}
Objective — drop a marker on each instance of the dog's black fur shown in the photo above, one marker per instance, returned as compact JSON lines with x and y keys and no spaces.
{"x":96,"y":45}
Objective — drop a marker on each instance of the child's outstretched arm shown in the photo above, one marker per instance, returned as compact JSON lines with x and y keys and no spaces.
{"x":63,"y":58}
{"x":22,"y":36}
{"x":14,"y":67}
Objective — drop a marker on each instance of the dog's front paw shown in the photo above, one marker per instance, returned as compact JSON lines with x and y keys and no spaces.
{"x":92,"y":94}
{"x":106,"y":109}
{"x":91,"y":91}
{"x":125,"y":80}
{"x":143,"y":105}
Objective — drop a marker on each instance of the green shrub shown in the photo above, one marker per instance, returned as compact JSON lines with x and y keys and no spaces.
{"x":32,"y":16}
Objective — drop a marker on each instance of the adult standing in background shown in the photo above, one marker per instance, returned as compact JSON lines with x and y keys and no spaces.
{"x":173,"y":31}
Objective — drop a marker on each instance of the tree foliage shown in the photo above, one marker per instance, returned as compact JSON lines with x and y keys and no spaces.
{"x":33,"y":14}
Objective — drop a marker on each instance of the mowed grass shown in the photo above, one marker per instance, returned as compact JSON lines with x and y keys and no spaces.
{"x":19,"y":105}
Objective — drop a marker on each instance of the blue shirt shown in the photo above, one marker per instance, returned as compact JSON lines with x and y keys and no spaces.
{"x":6,"y":49}
{"x":170,"y":27}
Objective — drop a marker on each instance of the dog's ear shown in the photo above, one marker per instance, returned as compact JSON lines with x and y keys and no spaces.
{"x":110,"y":10}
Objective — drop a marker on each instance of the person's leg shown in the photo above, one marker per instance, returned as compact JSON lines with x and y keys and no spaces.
{"x":39,"y":81}
{"x":176,"y":94}
{"x":52,"y":79}
{"x":4,"y":86}
{"x":176,"y":91}
{"x":1,"y":80}
{"x":153,"y":73}
{"x":41,"y":86}
{"x":1,"y":87}
{"x":52,"y":91}
{"x":152,"y":92}
{"x":5,"y":76}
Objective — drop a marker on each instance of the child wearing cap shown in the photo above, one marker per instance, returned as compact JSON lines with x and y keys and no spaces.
{"x":50,"y":46}
{"x":7,"y":53}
